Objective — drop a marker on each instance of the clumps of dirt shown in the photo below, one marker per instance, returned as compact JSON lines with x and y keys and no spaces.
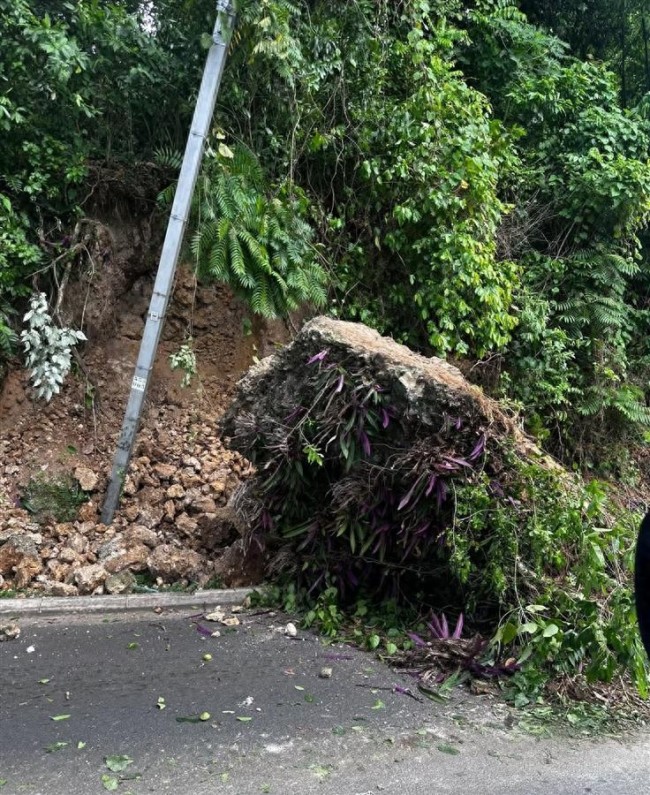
{"x":173,"y":525}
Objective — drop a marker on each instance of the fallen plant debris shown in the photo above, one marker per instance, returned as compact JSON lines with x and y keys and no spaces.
{"x":446,"y":652}
{"x":385,"y":477}
{"x":398,"y":689}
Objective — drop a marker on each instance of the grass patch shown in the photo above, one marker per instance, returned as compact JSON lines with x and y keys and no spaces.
{"x":55,"y":498}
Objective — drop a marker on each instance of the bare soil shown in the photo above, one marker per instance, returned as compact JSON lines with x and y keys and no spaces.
{"x":181,"y":475}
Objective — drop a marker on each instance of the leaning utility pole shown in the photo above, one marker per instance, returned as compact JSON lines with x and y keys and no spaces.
{"x":170,"y":252}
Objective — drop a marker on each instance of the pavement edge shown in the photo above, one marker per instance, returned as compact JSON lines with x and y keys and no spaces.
{"x":73,"y":605}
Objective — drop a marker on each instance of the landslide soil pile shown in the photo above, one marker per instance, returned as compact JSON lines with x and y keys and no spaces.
{"x":173,"y":525}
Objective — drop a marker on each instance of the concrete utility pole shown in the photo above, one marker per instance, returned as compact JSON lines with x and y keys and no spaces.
{"x":171,"y":251}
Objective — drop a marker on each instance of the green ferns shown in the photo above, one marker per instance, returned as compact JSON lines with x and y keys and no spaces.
{"x":259,"y":245}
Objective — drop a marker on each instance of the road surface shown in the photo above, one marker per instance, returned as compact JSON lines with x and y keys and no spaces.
{"x":77,"y":691}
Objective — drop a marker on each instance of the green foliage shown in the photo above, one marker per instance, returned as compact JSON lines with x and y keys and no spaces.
{"x":471,"y":184}
{"x":184,"y":359}
{"x":55,"y":498}
{"x":582,"y":195}
{"x":78,"y":82}
{"x":325,"y":613}
{"x":531,"y":556}
{"x":616,"y":31}
{"x":257,"y":243}
{"x":436,"y":205}
{"x":564,"y":575}
{"x":17,"y":257}
{"x":48,"y":348}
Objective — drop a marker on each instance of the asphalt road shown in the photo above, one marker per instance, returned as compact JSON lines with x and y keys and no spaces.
{"x":275,"y":725}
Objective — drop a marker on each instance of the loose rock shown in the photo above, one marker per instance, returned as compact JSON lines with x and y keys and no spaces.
{"x":89,"y":578}
{"x":120,"y":583}
{"x":86,"y":477}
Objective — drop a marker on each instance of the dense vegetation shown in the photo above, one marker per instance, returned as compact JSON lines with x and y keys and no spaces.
{"x":465,"y":180}
{"x":472,"y":178}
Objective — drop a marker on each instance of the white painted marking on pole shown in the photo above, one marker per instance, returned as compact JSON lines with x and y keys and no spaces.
{"x":139,"y":384}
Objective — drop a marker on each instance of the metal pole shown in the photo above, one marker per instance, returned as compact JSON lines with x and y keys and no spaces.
{"x":171,"y":250}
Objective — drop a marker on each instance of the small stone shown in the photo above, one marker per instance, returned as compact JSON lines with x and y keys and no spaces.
{"x":86,"y":477}
{"x":290,"y":630}
{"x":58,"y":570}
{"x":150,"y":515}
{"x":78,"y":543}
{"x":175,"y":492}
{"x":240,"y":564}
{"x":120,"y":583}
{"x":139,"y":534}
{"x":9,"y":631}
{"x":131,"y":485}
{"x":325,"y":673}
{"x":190,"y":479}
{"x":170,"y":510}
{"x":131,"y":512}
{"x":90,"y":527}
{"x":186,"y":524}
{"x":60,"y":589}
{"x":87,"y":512}
{"x":67,"y":555}
{"x":111,"y":549}
{"x":164,"y":471}
{"x":19,"y":555}
{"x":134,"y":558}
{"x":89,"y":578}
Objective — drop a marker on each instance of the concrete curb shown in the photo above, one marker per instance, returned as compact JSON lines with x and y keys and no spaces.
{"x":73,"y":605}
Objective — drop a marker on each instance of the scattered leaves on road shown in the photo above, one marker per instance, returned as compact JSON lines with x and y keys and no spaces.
{"x":448,"y":749}
{"x":59,"y":717}
{"x":132,"y":646}
{"x":432,"y":695}
{"x":321,"y":771}
{"x":110,"y":783}
{"x":379,"y":704}
{"x":55,"y":747}
{"x":118,"y":763}
{"x":244,"y":719}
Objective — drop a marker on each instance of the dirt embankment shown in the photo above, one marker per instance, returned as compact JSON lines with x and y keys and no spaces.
{"x":173,"y":525}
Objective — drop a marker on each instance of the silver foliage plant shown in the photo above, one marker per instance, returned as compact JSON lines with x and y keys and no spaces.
{"x":48,"y":348}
